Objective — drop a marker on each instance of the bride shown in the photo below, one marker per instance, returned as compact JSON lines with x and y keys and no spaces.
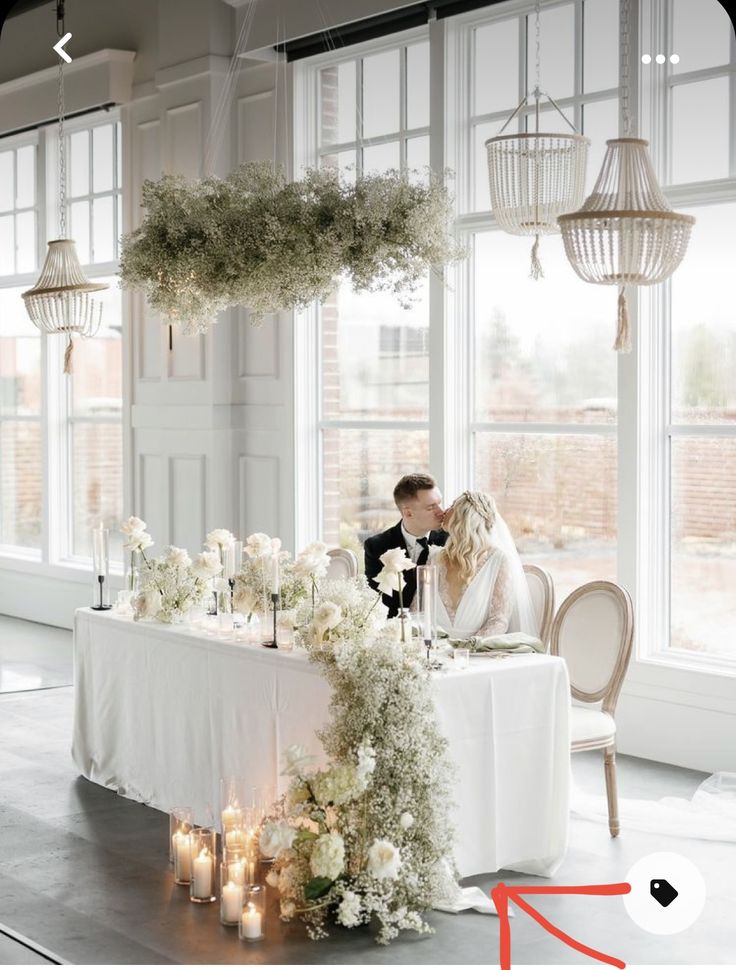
{"x":482,"y":586}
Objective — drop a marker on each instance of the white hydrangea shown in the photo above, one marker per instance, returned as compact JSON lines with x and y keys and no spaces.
{"x":349,"y":910}
{"x":177,"y":557}
{"x":328,"y":856}
{"x":407,"y":820}
{"x":296,"y":759}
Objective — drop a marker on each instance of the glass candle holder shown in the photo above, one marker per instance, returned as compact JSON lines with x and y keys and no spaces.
{"x":203,"y":856}
{"x":232,"y":797}
{"x":253,"y":916}
{"x":180,"y":820}
{"x":231,"y":896}
{"x":461,"y":656}
{"x":182,"y":842}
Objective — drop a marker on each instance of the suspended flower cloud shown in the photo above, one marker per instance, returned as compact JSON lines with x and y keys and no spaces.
{"x":256,"y":239}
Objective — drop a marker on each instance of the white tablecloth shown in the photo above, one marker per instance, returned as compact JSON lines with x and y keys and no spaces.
{"x":162,"y":713}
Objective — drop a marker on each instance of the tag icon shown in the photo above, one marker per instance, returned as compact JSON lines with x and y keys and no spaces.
{"x":662,"y":891}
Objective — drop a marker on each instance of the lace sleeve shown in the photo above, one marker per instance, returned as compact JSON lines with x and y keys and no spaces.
{"x":502,"y":602}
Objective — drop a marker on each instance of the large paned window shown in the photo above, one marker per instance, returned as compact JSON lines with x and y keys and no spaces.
{"x":544,"y":407}
{"x":374,"y":374}
{"x":60,"y":437}
{"x":604,"y":465}
{"x":698,"y":316}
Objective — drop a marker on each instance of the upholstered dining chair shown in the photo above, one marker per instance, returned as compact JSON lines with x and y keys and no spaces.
{"x":593,"y":632}
{"x":343,"y":564}
{"x":542,"y":592}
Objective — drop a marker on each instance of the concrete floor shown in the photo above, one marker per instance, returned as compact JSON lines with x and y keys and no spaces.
{"x":85,"y":874}
{"x":33,"y":656}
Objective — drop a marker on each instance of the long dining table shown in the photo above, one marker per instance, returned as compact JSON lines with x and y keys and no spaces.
{"x":163,"y":712}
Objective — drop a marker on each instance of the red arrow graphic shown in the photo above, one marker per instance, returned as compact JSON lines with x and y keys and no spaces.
{"x":502,"y":893}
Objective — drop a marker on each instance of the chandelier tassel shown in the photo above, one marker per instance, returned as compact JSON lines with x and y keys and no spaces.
{"x":69,"y":356}
{"x":536,"y":272}
{"x":623,"y":334}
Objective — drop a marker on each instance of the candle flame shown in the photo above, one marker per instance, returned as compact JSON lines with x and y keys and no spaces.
{"x":203,"y":854}
{"x":251,"y":908}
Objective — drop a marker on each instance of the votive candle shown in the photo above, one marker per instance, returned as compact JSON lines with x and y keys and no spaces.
{"x":182,"y":843}
{"x":202,"y":874}
{"x":251,"y":924}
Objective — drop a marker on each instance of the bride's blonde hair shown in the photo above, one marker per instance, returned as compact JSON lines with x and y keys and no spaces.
{"x":473,"y":516}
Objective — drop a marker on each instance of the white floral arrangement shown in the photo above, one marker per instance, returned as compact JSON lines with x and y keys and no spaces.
{"x":299,"y":578}
{"x":258,"y":240}
{"x":171,"y":585}
{"x":344,"y":610}
{"x":367,"y":838}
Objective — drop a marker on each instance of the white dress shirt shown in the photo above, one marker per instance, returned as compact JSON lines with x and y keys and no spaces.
{"x":413,"y":549}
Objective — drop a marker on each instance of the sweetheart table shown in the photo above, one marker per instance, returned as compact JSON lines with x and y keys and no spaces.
{"x":161,"y":713}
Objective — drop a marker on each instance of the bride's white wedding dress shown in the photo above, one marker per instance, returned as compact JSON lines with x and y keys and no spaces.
{"x":486,"y":605}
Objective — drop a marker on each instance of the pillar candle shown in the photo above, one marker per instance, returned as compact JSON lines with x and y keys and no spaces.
{"x":232,"y":902}
{"x":234,"y":839}
{"x":182,"y":843}
{"x":202,"y":875}
{"x":251,"y":923}
{"x":232,"y":817}
{"x":99,"y":550}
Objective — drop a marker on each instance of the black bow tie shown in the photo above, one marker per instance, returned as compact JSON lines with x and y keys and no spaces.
{"x":424,"y":554}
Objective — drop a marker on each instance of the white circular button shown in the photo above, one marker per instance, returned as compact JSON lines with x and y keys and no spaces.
{"x":674,"y":58}
{"x":646,"y":58}
{"x":660,"y":58}
{"x":667,"y":893}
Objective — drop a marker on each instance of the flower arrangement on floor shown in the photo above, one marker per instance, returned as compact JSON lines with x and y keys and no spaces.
{"x":258,"y":240}
{"x":368,"y":838}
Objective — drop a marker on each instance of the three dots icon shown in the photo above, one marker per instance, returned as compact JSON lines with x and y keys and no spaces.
{"x":660,"y":58}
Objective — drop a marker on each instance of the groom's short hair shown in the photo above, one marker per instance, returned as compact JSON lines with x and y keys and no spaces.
{"x":408,"y":486}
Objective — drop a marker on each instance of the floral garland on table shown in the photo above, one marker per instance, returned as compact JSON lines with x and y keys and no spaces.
{"x":368,"y":838}
{"x":258,"y":240}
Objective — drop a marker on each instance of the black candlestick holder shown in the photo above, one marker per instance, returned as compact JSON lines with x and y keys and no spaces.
{"x":273,"y":644}
{"x":101,"y":605}
{"x":231,"y":584}
{"x":432,"y":664}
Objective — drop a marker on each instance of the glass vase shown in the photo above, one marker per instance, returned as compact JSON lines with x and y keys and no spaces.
{"x":252,"y":926}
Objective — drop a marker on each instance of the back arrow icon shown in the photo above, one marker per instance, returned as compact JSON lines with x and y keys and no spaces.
{"x":58,"y":47}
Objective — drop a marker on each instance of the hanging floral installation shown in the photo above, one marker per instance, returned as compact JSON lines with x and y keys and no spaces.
{"x":257,"y":240}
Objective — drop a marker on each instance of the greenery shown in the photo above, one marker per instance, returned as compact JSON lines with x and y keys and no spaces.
{"x":258,"y":240}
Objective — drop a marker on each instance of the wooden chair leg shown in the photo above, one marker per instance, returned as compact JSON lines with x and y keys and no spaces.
{"x":609,"y":767}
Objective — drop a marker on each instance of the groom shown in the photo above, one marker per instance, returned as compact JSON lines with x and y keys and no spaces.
{"x":420,"y":503}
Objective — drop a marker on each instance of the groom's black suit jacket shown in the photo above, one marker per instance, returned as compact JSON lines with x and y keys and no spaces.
{"x":375,"y":546}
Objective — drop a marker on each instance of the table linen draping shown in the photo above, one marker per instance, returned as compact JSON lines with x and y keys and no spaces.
{"x":163,"y":712}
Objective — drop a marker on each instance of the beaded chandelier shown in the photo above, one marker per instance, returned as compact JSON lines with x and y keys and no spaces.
{"x":625,"y":233}
{"x":61,"y":300}
{"x":535,"y":176}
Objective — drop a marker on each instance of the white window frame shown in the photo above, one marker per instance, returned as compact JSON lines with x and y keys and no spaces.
{"x":643,"y":487}
{"x":54,"y":558}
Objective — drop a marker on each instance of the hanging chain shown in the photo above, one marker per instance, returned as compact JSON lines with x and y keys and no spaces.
{"x":625,"y":68}
{"x":538,"y":53}
{"x":62,"y":146}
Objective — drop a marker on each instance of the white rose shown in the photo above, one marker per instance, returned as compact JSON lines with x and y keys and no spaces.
{"x":220,"y":537}
{"x":384,"y":860}
{"x":275,"y":837}
{"x":258,"y":544}
{"x":131,"y":525}
{"x":315,"y":549}
{"x":147,"y":604}
{"x":177,"y":557}
{"x":327,"y":616}
{"x":138,"y":541}
{"x":328,"y":856}
{"x":396,"y":561}
{"x":407,"y":820}
{"x":206,"y":565}
{"x":288,"y":909}
{"x":272,"y":878}
{"x":387,"y":581}
{"x":296,"y":759}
